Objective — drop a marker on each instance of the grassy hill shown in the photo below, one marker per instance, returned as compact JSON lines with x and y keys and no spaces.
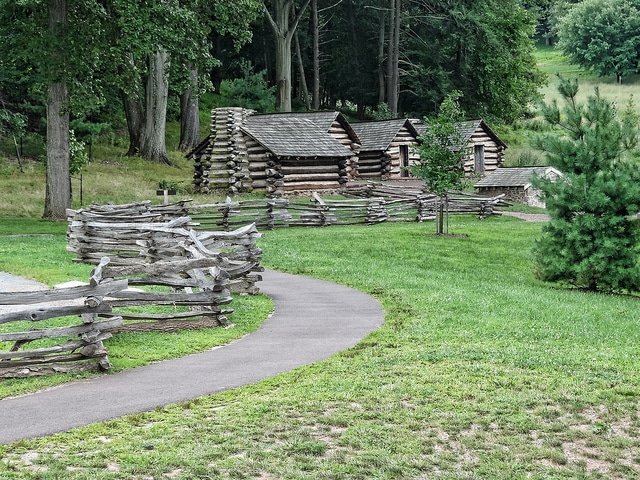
{"x":552,"y":62}
{"x":110,"y":177}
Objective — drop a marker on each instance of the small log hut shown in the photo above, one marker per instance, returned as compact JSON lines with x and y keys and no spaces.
{"x":484,"y":150}
{"x":282,"y":153}
{"x":516,"y":183}
{"x":387,"y":149}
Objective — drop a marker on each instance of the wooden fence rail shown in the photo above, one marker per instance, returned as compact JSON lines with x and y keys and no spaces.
{"x":99,"y":231}
{"x":194,"y":290}
{"x":367,"y":205}
{"x":74,"y":346}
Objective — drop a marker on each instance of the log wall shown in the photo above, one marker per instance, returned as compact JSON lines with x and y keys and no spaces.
{"x":493,"y":153}
{"x":338,"y":132}
{"x":404,"y":137}
{"x":224,"y":163}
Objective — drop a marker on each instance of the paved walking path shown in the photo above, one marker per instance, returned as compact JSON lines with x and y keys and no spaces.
{"x":529,"y":217}
{"x":313,"y":319}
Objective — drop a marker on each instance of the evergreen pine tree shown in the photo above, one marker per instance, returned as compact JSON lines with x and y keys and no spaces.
{"x":593,"y":238}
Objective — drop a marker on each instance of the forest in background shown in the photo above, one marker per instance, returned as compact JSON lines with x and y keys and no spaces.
{"x":118,"y":71}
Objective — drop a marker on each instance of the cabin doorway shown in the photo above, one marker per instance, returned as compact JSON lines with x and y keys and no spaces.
{"x":404,"y":161}
{"x":478,"y":156}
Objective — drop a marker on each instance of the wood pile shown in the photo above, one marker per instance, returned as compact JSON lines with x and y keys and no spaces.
{"x":136,"y":242}
{"x":58,"y":349}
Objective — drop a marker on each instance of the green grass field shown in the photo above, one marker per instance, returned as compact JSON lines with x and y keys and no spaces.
{"x":37,"y":249}
{"x":552,"y":62}
{"x":479,"y":372}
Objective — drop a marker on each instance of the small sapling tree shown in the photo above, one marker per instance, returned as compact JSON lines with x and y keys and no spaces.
{"x":593,"y":238}
{"x":441,"y":163}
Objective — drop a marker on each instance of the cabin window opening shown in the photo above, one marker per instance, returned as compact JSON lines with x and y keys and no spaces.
{"x":404,"y":160}
{"x":478,"y":155}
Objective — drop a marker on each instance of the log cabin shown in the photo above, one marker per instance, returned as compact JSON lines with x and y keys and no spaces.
{"x":387,"y":148}
{"x":516,"y":183}
{"x":283,"y":153}
{"x":484,"y":150}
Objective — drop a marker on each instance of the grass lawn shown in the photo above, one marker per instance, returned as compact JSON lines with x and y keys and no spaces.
{"x":36,"y":249}
{"x":551,"y":61}
{"x":479,"y":372}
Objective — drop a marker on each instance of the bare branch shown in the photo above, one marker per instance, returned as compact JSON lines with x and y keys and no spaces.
{"x":296,"y":21}
{"x":273,"y":24}
{"x":330,"y":7}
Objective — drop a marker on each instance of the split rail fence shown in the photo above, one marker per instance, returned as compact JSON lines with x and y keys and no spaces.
{"x":143,"y":234}
{"x":367,"y":204}
{"x":195,"y":290}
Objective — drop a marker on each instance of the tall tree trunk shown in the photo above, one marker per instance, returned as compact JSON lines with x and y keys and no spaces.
{"x":283,"y":73}
{"x":303,"y":79}
{"x":316,"y":55}
{"x":156,"y":95}
{"x":381,"y":85}
{"x":216,"y":72}
{"x":391,"y":67}
{"x":396,"y":58}
{"x":283,"y":30}
{"x":134,"y":113}
{"x":190,"y":114}
{"x":58,"y":191}
{"x":58,"y":183}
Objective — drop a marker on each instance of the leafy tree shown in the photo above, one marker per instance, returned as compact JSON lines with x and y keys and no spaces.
{"x":603,"y":36}
{"x":591,"y":241}
{"x":49,"y":54}
{"x":78,"y":157}
{"x":12,"y":124}
{"x":483,"y":49}
{"x":251,"y":91}
{"x":441,"y":155}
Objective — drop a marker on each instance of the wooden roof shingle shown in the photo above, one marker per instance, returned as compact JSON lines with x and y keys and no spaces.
{"x":323,"y":119}
{"x":292,"y":136}
{"x":378,"y":135}
{"x":514,"y":176}
{"x":466,"y":129}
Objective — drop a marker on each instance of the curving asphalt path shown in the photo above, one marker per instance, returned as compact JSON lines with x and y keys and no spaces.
{"x":313,"y":319}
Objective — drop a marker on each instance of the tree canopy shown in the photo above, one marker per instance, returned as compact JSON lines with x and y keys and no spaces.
{"x":119,"y":63}
{"x":603,"y":36}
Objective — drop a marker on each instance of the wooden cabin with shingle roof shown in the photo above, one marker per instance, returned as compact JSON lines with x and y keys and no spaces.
{"x":387,"y":148}
{"x":277,"y":153}
{"x":516,"y":183}
{"x":484,"y":150}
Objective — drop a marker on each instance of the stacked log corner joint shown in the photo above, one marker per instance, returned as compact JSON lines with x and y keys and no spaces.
{"x":224,"y":164}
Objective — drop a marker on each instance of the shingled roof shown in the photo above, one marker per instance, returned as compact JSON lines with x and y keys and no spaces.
{"x":514,"y":176}
{"x":323,"y":119}
{"x":466,"y":129}
{"x":292,"y":136}
{"x":376,"y":136}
